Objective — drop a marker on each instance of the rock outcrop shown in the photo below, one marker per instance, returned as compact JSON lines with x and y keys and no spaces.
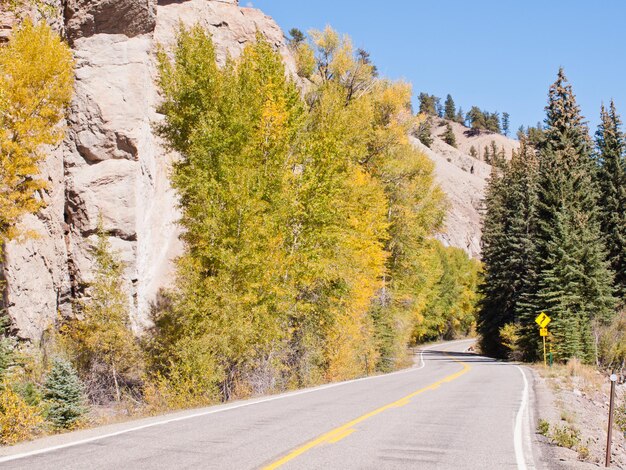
{"x":112,"y":166}
{"x":464,"y":180}
{"x":85,"y":18}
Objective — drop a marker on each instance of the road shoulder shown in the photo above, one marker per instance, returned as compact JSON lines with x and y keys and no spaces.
{"x":561,"y":407}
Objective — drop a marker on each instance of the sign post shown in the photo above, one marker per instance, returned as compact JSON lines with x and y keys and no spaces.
{"x":543,"y":320}
{"x":610,"y":430}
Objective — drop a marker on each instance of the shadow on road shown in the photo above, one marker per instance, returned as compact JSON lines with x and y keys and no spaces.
{"x":435,"y":355}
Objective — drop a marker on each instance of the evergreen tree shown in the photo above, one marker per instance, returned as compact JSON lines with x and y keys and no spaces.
{"x":505,"y":123}
{"x":424,"y":132}
{"x":508,"y":248}
{"x":574,"y":281}
{"x":297,"y":37}
{"x":497,"y":156}
{"x":611,"y":158}
{"x":460,"y":116}
{"x":492,"y":121}
{"x":64,"y":394}
{"x":439,"y":107}
{"x":448,"y":136}
{"x":428,"y":104}
{"x":476,"y":118}
{"x":487,"y":155}
{"x":473,"y":152}
{"x":449,"y":109}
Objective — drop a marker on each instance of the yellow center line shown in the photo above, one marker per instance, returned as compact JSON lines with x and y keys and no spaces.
{"x":337,"y":434}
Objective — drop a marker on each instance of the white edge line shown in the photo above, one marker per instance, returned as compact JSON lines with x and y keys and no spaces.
{"x":518,"y":438}
{"x":45,"y":450}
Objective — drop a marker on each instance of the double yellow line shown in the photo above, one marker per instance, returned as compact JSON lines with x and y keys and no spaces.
{"x":337,"y":434}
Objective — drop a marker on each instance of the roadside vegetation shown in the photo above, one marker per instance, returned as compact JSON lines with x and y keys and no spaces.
{"x":308,"y":226}
{"x":580,"y":394}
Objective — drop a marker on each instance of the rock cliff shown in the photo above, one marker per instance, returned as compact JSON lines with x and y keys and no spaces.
{"x":111,"y":165}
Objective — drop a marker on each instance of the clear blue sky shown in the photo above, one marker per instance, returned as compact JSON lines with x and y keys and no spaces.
{"x":501,"y":55}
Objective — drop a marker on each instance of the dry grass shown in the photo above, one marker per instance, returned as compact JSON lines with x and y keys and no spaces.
{"x":574,"y":374}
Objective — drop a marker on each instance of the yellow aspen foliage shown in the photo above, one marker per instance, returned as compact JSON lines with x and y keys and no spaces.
{"x":450,"y":310}
{"x":18,"y":420}
{"x":36,"y":81}
{"x":382,"y":120}
{"x":229,"y":312}
{"x":307,"y":222}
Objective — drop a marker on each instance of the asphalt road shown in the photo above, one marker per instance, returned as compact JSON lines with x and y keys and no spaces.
{"x":453,"y":410}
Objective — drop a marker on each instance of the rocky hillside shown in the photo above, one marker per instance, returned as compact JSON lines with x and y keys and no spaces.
{"x":112,"y":167}
{"x":464,"y":179}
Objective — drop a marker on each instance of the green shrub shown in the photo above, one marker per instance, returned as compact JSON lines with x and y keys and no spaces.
{"x":566,"y":436}
{"x":29,"y":391}
{"x":64,"y":395}
{"x":543,"y":427}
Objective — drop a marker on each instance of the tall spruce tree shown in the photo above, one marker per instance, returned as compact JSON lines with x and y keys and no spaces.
{"x":449,"y":108}
{"x":574,"y":281}
{"x":508,"y":247}
{"x":611,"y":157}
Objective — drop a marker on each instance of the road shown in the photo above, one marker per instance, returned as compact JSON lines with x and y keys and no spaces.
{"x":453,"y":410}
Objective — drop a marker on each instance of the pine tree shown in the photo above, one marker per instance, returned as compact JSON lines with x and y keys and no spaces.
{"x":428,"y":104}
{"x":296,"y":37}
{"x":64,"y":394}
{"x":611,"y":158}
{"x":505,"y":123}
{"x":476,"y":118}
{"x":574,"y":281}
{"x":492,"y":122}
{"x":487,"y":155}
{"x":448,"y":136}
{"x":449,"y":109}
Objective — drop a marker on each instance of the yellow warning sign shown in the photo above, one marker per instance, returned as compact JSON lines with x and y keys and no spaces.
{"x":543,"y":332}
{"x":543,"y":320}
